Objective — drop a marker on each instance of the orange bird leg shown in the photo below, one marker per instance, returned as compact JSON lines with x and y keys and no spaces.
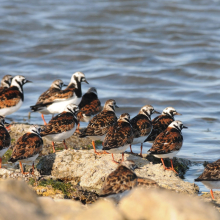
{"x":77,"y":129}
{"x":64,"y":142}
{"x":53,"y":147}
{"x":0,"y":162}
{"x":211,"y":192}
{"x":122,"y":159}
{"x":163,"y":164}
{"x":114,"y":159}
{"x":32,"y":169}
{"x":42,"y":116}
{"x":131,"y":149}
{"x":141,"y":150}
{"x":172,"y":168}
{"x":21,"y":167}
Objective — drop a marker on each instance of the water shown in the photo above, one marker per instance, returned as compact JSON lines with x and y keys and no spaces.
{"x":163,"y":53}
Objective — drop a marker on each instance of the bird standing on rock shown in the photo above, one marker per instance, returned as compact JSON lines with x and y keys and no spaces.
{"x":27,"y":148}
{"x":161,"y":122}
{"x":211,"y":176}
{"x":168,"y":143}
{"x":5,"y":139}
{"x":71,"y":95}
{"x":142,"y":125}
{"x":89,"y":106}
{"x":45,"y":97}
{"x":119,"y":136}
{"x":12,"y":98}
{"x":100,"y":124}
{"x":61,"y":126}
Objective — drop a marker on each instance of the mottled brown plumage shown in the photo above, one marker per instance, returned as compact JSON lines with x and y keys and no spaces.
{"x":54,"y":89}
{"x":118,"y":135}
{"x":211,"y":172}
{"x":28,"y":145}
{"x":89,"y":105}
{"x":123,"y":179}
{"x":101,"y":123}
{"x":161,"y":122}
{"x":64,"y":121}
{"x":5,"y":139}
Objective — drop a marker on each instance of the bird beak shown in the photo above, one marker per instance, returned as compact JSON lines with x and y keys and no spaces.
{"x":6,"y":123}
{"x":156,"y":112}
{"x":28,"y":81}
{"x":116,"y":106}
{"x":65,"y":85}
{"x":177,"y":113}
{"x":85,"y":81}
{"x":185,"y":127}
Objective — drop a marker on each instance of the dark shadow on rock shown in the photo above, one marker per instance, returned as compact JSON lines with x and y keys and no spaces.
{"x":45,"y":164}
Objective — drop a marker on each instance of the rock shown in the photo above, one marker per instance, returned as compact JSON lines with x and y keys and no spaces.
{"x":60,"y":209}
{"x":19,"y":202}
{"x":102,"y":209}
{"x":162,"y":204}
{"x":90,"y":170}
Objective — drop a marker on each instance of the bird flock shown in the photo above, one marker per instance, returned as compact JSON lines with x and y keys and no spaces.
{"x":68,"y":107}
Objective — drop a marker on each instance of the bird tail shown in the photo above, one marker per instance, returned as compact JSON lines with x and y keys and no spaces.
{"x":12,"y":160}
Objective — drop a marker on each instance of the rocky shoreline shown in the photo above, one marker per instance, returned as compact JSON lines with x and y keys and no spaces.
{"x":78,"y":174}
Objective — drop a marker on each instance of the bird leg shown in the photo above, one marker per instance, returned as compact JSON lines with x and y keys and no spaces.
{"x":0,"y":162}
{"x":122,"y":159}
{"x":98,"y":153}
{"x":141,"y":150}
{"x":64,"y":142}
{"x":114,"y":159}
{"x":77,"y":129}
{"x":171,"y":168}
{"x":8,"y":128}
{"x":53,"y":147}
{"x":32,"y":169}
{"x":131,"y":149}
{"x":21,"y":167}
{"x":42,"y":116}
{"x":211,"y":192}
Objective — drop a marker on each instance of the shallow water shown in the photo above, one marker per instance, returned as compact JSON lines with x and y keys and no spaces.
{"x":163,"y":53}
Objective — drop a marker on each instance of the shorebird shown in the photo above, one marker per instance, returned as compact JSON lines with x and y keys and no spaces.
{"x":211,"y":176}
{"x":89,"y":106}
{"x":12,"y":98}
{"x":5,"y":139}
{"x":168,"y":143}
{"x":45,"y":97}
{"x":123,"y":179}
{"x":27,"y":148}
{"x":71,"y":95}
{"x":161,"y":122}
{"x":119,"y":136}
{"x":100,"y":124}
{"x":142,"y":125}
{"x":5,"y":82}
{"x":61,"y":126}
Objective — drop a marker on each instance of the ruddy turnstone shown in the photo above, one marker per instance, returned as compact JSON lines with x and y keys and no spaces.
{"x":168,"y":143}
{"x":161,"y":122}
{"x":6,"y":82}
{"x":100,"y":124}
{"x":119,"y":136}
{"x":27,"y":148}
{"x":71,"y":95}
{"x":123,"y":179}
{"x":89,"y":106}
{"x":211,"y":176}
{"x":12,"y":98}
{"x":45,"y":97}
{"x":142,"y":125}
{"x":61,"y":126}
{"x":5,"y":139}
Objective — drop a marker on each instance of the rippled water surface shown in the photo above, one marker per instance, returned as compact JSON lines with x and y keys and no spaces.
{"x":163,"y":53}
